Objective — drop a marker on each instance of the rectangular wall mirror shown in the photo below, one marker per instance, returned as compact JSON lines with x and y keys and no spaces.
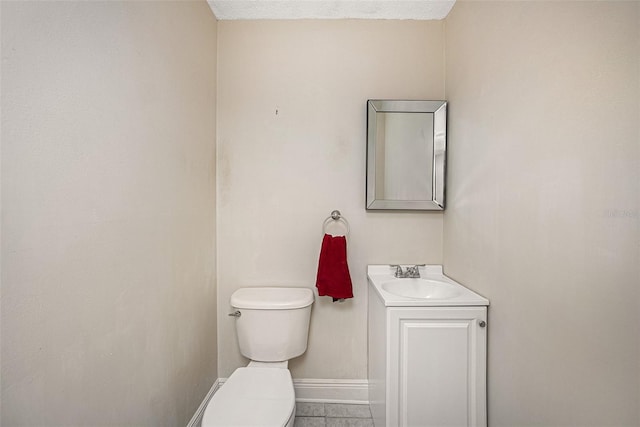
{"x":406,"y":154}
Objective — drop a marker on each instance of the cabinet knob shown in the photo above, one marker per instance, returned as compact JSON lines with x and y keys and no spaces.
{"x":482,"y":324}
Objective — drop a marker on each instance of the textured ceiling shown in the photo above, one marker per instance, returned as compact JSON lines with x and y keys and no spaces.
{"x":331,"y":9}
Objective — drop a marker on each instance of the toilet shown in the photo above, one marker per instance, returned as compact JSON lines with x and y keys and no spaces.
{"x":272,"y":325}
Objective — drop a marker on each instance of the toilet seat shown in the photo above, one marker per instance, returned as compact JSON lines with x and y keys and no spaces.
{"x":253,"y":396}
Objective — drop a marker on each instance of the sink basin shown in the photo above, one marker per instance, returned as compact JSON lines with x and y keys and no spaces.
{"x":421,"y":288}
{"x":431,"y":289}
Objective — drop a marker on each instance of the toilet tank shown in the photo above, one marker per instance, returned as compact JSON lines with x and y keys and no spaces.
{"x":273,"y":325}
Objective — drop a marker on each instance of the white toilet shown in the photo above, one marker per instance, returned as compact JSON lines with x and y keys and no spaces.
{"x":272,"y":327}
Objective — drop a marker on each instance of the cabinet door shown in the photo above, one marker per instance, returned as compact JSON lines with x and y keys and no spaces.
{"x":437,"y":367}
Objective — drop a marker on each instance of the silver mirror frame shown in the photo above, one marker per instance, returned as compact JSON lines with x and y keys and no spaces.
{"x":439,"y":110}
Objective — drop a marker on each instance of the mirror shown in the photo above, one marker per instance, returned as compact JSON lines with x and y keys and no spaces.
{"x":406,"y":153}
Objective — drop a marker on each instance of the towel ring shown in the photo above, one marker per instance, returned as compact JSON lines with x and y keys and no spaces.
{"x":334,"y":217}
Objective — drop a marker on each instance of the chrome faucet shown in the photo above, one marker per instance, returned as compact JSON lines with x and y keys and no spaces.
{"x":413,"y":272}
{"x":409,"y":273}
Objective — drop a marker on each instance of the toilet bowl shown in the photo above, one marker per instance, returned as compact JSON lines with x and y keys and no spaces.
{"x":272,"y":325}
{"x":253,"y":396}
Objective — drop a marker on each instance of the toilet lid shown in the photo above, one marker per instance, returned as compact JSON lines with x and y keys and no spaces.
{"x":252,"y":397}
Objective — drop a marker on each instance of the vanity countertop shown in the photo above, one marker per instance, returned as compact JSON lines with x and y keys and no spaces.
{"x":432,"y":289}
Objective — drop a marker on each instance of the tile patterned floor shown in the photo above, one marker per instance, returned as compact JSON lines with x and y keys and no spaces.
{"x":332,"y":415}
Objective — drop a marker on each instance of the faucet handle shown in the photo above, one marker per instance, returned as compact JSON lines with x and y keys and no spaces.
{"x":399,"y":272}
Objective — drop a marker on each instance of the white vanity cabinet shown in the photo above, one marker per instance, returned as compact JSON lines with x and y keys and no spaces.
{"x":427,"y":363}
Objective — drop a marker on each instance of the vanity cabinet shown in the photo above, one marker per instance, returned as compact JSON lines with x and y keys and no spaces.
{"x":427,"y":365}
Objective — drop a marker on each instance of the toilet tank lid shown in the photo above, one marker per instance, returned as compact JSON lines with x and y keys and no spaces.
{"x":272,"y":298}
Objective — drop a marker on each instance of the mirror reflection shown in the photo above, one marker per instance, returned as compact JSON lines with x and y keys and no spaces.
{"x":403,"y":150}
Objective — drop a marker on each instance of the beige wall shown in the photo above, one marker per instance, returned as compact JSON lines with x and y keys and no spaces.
{"x":108,"y":200}
{"x":543,"y":203}
{"x":291,"y":147}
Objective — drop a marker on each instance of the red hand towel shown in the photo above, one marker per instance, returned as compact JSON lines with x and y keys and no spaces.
{"x":333,"y":277}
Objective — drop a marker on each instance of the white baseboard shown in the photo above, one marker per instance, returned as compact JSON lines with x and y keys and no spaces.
{"x":307,"y":390}
{"x":196,"y":420}
{"x":331,"y":391}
